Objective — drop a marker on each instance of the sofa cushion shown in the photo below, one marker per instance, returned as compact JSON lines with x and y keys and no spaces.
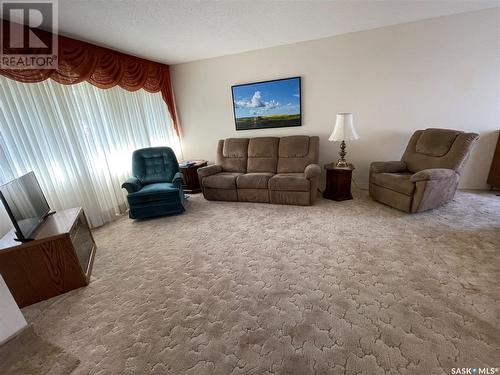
{"x":263,"y":154}
{"x":436,"y":142}
{"x":154,"y":192}
{"x":296,"y":153}
{"x":235,"y":148}
{"x":289,"y":182}
{"x":223,"y":180}
{"x":232,"y":154}
{"x":253,"y":180}
{"x":399,"y":182}
{"x":295,"y":146}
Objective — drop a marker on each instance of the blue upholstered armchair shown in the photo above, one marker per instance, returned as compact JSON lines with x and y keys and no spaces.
{"x":156,"y":186}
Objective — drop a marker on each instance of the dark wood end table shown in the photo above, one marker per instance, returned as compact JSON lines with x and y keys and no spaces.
{"x":191,"y":183}
{"x":338,"y":183}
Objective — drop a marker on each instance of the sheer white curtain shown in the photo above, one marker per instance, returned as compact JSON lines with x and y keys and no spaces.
{"x":79,"y":140}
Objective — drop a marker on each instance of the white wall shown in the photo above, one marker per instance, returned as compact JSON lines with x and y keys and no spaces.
{"x":443,"y":72}
{"x":11,"y":319}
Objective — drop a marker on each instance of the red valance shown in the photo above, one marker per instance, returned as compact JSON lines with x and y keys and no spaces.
{"x":102,"y":67}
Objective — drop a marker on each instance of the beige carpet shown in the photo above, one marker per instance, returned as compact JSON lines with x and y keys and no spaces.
{"x":240,"y":288}
{"x":29,"y":354}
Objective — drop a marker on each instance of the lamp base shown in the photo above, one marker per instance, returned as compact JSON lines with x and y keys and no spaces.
{"x":342,"y":164}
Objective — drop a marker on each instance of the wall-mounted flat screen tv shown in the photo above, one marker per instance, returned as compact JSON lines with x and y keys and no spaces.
{"x":268,"y":104}
{"x":25,"y":204}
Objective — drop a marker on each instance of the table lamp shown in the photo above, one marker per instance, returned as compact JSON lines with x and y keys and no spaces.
{"x":343,"y":131}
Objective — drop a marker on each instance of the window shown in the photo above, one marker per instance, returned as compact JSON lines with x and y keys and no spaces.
{"x":79,"y":140}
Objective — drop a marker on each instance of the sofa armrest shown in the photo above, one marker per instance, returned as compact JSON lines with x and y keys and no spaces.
{"x":387,"y":167}
{"x":132,"y":185}
{"x":312,"y":170}
{"x":178,"y":179}
{"x":433,"y":174}
{"x":209,"y":170}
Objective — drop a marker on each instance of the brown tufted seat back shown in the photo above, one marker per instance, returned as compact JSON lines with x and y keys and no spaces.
{"x":438,"y":148}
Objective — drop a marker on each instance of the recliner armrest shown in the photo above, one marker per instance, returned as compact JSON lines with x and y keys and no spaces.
{"x":178,"y":179}
{"x":433,"y":174}
{"x":132,"y":185}
{"x":209,"y":170}
{"x":387,"y":166}
{"x":312,"y":170}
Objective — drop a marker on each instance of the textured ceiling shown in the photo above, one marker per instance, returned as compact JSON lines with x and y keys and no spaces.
{"x":176,"y":31}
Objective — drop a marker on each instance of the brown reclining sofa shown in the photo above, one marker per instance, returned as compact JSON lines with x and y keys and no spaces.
{"x":267,"y":169}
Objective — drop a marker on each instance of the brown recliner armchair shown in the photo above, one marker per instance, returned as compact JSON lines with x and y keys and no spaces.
{"x":428,"y":173}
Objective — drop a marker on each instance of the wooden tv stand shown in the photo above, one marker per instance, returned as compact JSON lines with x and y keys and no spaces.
{"x":59,"y":259}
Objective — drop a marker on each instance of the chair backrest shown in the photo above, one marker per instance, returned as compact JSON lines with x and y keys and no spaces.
{"x":296,"y":152}
{"x":154,"y":164}
{"x":438,"y":148}
{"x":268,"y":154}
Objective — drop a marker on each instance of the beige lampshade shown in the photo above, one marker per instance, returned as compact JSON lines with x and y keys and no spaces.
{"x":344,"y":128}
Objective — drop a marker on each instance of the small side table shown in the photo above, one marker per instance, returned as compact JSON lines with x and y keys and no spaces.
{"x":338,"y":183}
{"x":191,"y":183}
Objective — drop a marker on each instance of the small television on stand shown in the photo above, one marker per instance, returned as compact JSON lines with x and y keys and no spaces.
{"x":25,"y":204}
